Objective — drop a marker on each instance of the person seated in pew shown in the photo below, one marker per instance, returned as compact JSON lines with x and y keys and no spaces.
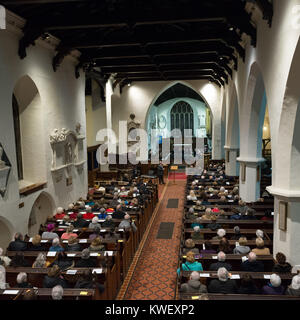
{"x":56,"y":245}
{"x":190,"y":246}
{"x":57,"y":292}
{"x":193,"y":285}
{"x":259,"y":234}
{"x":90,"y":202}
{"x":69,"y":233}
{"x":221,"y":263}
{"x":102,"y":214}
{"x":235,"y":191}
{"x":197,"y":235}
{"x":268,"y":216}
{"x":249,"y":215}
{"x":63,"y":261}
{"x":191,"y":196}
{"x":89,"y":214}
{"x":115,"y":200}
{"x":88,"y":280}
{"x":204,"y":198}
{"x":36,"y":244}
{"x":223,"y":284}
{"x":102,"y":201}
{"x":80,"y":222}
{"x":86,"y":260}
{"x":224,"y":246}
{"x":191,"y":214}
{"x":197,"y":223}
{"x":207,"y":248}
{"x":123,"y":192}
{"x":213,"y":226}
{"x":221,"y":192}
{"x":19,"y":260}
{"x":213,"y":194}
{"x":252,"y":265}
{"x":65,"y":221}
{"x":207,"y":215}
{"x":221,"y":233}
{"x":40,"y":261}
{"x":237,"y":233}
{"x":119,"y":213}
{"x":22,"y":281}
{"x":70,"y":208}
{"x":96,"y":245}
{"x":3,"y":283}
{"x":281,"y":266}
{"x":59,"y":213}
{"x":222,"y":215}
{"x":73,"y":245}
{"x":54,"y":278}
{"x":260,"y":247}
{"x":134,"y":203}
{"x":247,"y":285}
{"x":5,"y":260}
{"x":18,"y":244}
{"x":274,"y":287}
{"x":95,"y":234}
{"x":199,"y":206}
{"x":127,"y":224}
{"x":96,"y":207}
{"x":190,"y":264}
{"x":108,"y":223}
{"x":242,"y":248}
{"x":50,"y":234}
{"x":95,"y":223}
{"x":215,"y":210}
{"x":294,"y":288}
{"x":223,"y":200}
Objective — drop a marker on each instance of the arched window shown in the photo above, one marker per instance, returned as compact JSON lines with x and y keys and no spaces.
{"x":17,"y":128}
{"x":182,"y":117}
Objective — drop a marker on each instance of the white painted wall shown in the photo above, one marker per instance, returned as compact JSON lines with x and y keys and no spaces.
{"x":62,"y":105}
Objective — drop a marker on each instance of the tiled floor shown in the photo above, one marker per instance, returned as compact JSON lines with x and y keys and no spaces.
{"x":155,"y":274}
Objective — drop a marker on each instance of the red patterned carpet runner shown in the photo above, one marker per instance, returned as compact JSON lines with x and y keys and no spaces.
{"x":154,"y":276}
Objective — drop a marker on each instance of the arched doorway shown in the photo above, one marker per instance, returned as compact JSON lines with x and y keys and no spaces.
{"x":29,"y":131}
{"x":42,"y":208}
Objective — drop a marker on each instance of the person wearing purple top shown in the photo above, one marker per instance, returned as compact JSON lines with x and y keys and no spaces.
{"x":274,"y":287}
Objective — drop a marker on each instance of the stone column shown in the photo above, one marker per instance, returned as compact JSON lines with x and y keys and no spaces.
{"x":231,"y":165}
{"x":250,"y":175}
{"x":287,"y":224}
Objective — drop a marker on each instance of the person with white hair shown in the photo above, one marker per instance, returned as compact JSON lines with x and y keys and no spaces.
{"x":192,"y":196}
{"x":197,"y":235}
{"x":70,"y":207}
{"x":190,"y":214}
{"x":252,"y":264}
{"x":260,"y":234}
{"x":223,"y":284}
{"x":57,"y":292}
{"x":221,"y":263}
{"x":123,"y":192}
{"x":108,"y":223}
{"x":6,"y":260}
{"x":22,"y":281}
{"x":221,"y":233}
{"x":125,"y":223}
{"x":273,"y":287}
{"x":193,"y":285}
{"x":294,"y":288}
{"x":59,"y":214}
{"x":56,"y":245}
{"x":95,"y":223}
{"x":207,"y":215}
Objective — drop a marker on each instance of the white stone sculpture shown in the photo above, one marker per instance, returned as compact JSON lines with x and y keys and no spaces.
{"x":2,"y":163}
{"x":54,"y":137}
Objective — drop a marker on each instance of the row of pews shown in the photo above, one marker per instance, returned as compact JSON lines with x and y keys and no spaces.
{"x":247,"y":228}
{"x":112,"y":263}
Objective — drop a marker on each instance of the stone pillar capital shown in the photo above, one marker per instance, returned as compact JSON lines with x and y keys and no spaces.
{"x":231,"y":148}
{"x":252,"y":162}
{"x":285,"y":194}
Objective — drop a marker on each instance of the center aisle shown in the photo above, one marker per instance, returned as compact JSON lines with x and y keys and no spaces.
{"x":152,"y":275}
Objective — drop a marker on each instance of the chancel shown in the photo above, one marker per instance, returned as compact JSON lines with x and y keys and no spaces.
{"x":149,"y":150}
